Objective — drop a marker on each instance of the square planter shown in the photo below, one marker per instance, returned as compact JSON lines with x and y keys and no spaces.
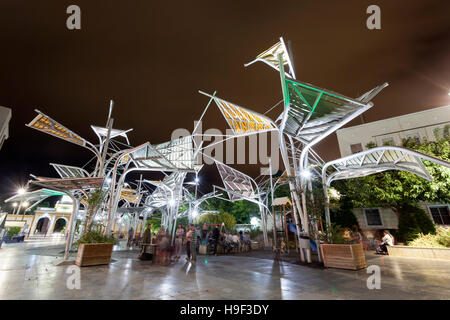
{"x":255,"y":245}
{"x":202,"y":249}
{"x":344,"y":256}
{"x":94,"y":254}
{"x":419,"y":252}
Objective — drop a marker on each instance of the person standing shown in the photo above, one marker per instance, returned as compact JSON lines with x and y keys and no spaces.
{"x":130,"y":236}
{"x":146,"y":241}
{"x":178,"y":241}
{"x":215,"y":236}
{"x":197,"y":240}
{"x":189,"y":237}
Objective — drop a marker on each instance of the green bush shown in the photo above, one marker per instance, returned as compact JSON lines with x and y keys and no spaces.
{"x":94,"y":236}
{"x":412,"y":221}
{"x":344,"y":216}
{"x":439,"y":240}
{"x":211,"y":218}
{"x":13,"y":231}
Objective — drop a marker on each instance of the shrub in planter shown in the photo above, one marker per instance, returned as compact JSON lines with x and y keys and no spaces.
{"x":95,"y":237}
{"x":13,"y":231}
{"x":439,"y":240}
{"x":94,"y":248}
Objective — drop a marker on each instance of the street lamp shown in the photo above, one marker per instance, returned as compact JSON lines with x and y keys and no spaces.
{"x":306,"y":174}
{"x":21,"y":191}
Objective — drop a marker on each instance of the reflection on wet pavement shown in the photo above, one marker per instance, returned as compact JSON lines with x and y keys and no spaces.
{"x":30,"y":271}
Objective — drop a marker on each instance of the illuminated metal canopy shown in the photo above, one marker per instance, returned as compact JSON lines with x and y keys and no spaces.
{"x":46,"y":124}
{"x":236,"y":183}
{"x":65,"y":171}
{"x":169,"y":188}
{"x":130,"y":210}
{"x":103,"y":132}
{"x":242,"y":120}
{"x":270,"y":57}
{"x":378,"y":160}
{"x":36,"y":195}
{"x":69,"y":183}
{"x":313,"y":112}
{"x":130,"y":195}
{"x":177,"y":154}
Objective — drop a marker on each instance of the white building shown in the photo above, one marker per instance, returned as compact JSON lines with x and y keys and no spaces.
{"x":5,"y":117}
{"x":391,"y":131}
{"x":420,"y":125}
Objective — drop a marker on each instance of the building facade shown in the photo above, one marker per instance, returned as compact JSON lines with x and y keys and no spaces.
{"x":419,"y":125}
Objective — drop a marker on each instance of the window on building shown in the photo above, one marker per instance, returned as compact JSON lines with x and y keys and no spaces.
{"x":373,"y":217}
{"x":440,"y":214}
{"x":387,"y":141}
{"x":355,"y":148}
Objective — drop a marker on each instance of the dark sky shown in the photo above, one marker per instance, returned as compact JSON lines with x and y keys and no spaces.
{"x":152,"y":57}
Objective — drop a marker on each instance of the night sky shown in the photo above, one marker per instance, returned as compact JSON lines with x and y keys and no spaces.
{"x":152,"y":57}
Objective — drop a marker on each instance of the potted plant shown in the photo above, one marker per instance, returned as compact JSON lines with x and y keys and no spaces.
{"x":94,"y":248}
{"x":339,"y":252}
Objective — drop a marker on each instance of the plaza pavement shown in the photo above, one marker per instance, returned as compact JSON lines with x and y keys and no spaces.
{"x":29,"y":271}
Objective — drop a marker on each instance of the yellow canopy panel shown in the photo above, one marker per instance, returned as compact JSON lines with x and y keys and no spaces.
{"x":242,"y":120}
{"x":46,"y":124}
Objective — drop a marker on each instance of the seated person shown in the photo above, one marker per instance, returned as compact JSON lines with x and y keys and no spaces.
{"x":387,"y":240}
{"x":236,"y":241}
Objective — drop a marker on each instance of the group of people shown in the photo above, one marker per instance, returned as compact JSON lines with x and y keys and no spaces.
{"x":191,"y":238}
{"x":235,"y":241}
{"x":354,"y":236}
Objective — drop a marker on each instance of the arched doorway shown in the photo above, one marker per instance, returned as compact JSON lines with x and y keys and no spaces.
{"x":60,"y":225}
{"x":42,"y":225}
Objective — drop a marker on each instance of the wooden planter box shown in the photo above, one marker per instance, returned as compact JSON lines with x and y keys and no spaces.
{"x":419,"y":252}
{"x":255,"y":245}
{"x":94,"y":254}
{"x":344,"y":256}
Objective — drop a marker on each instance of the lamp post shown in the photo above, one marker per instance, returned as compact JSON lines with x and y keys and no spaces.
{"x":20,"y":191}
{"x":14,"y":206}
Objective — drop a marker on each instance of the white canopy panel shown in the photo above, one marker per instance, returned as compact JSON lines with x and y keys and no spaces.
{"x":235,"y":181}
{"x":377,"y":160}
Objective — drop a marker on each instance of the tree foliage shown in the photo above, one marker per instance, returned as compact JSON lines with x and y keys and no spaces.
{"x":394,"y":188}
{"x":94,"y":201}
{"x":212,"y":218}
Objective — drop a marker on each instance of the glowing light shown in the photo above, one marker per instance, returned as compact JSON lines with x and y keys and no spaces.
{"x":195,"y":213}
{"x":108,"y":181}
{"x":197,"y":180}
{"x":171,"y":202}
{"x":334,"y":193}
{"x":254,"y":221}
{"x":306,"y":174}
{"x":14,"y":204}
{"x":25,"y":204}
{"x":21,"y":191}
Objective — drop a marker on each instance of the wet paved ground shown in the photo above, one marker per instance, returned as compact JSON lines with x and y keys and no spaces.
{"x":29,"y":271}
